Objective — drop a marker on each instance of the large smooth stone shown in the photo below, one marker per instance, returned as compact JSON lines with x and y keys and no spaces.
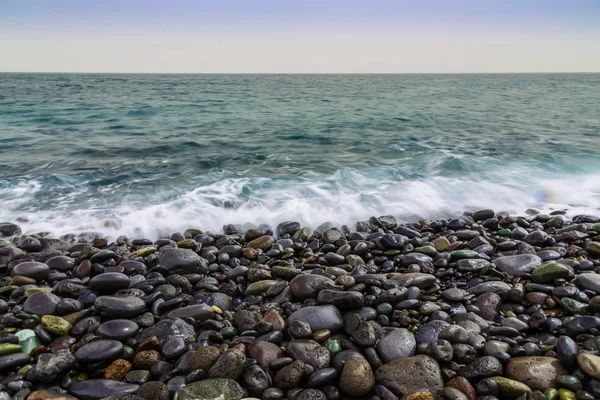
{"x":211,"y":389}
{"x":96,"y":389}
{"x":8,"y":229}
{"x":109,"y":282}
{"x":167,"y":329}
{"x":309,"y":352}
{"x":200,"y":312}
{"x":98,"y":350}
{"x":357,"y":377}
{"x":589,"y":364}
{"x":264,"y":352}
{"x":112,"y":307}
{"x":396,"y":343}
{"x":547,"y":273}
{"x":539,"y":373}
{"x":589,"y":281}
{"x":408,"y":375}
{"x":32,"y":269}
{"x":183,"y":260}
{"x":519,"y":264}
{"x":61,"y":263}
{"x":319,"y":317}
{"x":41,"y":303}
{"x":420,"y":280}
{"x":13,"y":360}
{"x":307,"y":286}
{"x":118,"y":329}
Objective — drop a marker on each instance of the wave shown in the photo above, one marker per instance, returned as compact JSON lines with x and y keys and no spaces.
{"x":345,"y":197}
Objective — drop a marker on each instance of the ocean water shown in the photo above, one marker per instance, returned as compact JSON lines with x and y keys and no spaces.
{"x":148,"y":155}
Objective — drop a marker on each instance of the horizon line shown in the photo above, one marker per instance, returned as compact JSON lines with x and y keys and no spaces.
{"x":305,"y":73}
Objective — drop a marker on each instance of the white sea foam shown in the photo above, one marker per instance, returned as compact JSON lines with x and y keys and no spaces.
{"x":343,"y":198}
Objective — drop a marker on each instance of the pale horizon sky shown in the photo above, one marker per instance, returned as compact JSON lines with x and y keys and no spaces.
{"x":274,"y":36}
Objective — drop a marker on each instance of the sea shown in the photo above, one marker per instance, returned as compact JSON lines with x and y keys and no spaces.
{"x":147,"y":155}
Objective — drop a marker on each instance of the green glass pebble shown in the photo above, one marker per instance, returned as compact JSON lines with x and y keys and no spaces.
{"x":551,"y":394}
{"x":228,"y":331}
{"x":333,"y":346}
{"x":505,"y":233}
{"x":29,"y":344}
{"x":510,"y":314}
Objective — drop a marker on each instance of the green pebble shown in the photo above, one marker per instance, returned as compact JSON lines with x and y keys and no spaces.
{"x":596,"y":227}
{"x":28,"y":316}
{"x":388,"y":222}
{"x":547,"y":273}
{"x":385,"y":308}
{"x":336,"y":271}
{"x":434,"y":289}
{"x":143,"y":252}
{"x":463,"y":254}
{"x":510,"y":314}
{"x":393,"y":252}
{"x":304,"y":234}
{"x":551,"y":394}
{"x":228,"y":331}
{"x":510,"y":388}
{"x":56,"y":325}
{"x":23,"y":370}
{"x":427,"y":250}
{"x":6,"y":290}
{"x":102,"y":255}
{"x":593,"y":248}
{"x":574,"y":306}
{"x":3,"y":241}
{"x":30,"y":291}
{"x":9,"y":348}
{"x":333,"y":346}
{"x":354,"y":260}
{"x":569,"y":382}
{"x":505,"y":233}
{"x":187,"y":244}
{"x":29,"y":344}
{"x":127,"y":353}
{"x":564,"y":394}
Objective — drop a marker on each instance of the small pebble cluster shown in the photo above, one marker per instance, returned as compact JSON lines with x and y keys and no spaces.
{"x":485,"y":306}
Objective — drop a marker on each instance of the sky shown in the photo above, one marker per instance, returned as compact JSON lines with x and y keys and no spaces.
{"x":300,"y":36}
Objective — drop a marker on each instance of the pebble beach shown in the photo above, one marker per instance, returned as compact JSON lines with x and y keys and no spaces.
{"x":482,"y":306}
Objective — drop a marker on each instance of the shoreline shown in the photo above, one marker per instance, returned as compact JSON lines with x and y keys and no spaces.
{"x":482,"y":306}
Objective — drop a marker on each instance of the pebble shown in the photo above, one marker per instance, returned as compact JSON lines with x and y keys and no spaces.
{"x":412,"y":311}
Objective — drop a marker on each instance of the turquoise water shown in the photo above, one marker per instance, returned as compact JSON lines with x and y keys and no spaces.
{"x":146,"y":155}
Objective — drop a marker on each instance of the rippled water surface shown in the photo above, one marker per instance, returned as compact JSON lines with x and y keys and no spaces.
{"x":146,"y":155}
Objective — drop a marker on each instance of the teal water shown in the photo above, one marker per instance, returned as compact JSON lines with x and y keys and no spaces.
{"x":146,"y":155}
